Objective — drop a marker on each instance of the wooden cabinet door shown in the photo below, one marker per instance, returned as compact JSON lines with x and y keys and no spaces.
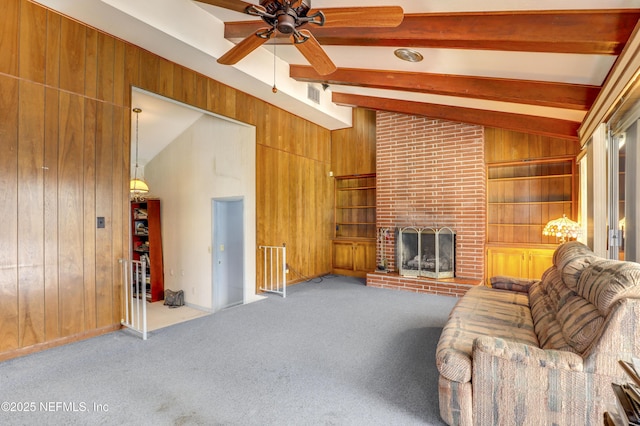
{"x":364,"y":257}
{"x":539,"y":261}
{"x":506,"y":261}
{"x":343,"y":255}
{"x":518,"y":262}
{"x":354,"y":258}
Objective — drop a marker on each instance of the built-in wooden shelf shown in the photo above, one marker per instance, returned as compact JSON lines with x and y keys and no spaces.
{"x":359,"y":188}
{"x":354,"y":243}
{"x":522,"y":196}
{"x":530,"y":202}
{"x":146,"y":215}
{"x":530,"y":178}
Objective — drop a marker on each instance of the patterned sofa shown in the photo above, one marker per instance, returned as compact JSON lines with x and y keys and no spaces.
{"x":541,"y":352}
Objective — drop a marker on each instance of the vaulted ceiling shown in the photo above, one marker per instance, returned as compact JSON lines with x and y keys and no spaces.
{"x":529,"y":65}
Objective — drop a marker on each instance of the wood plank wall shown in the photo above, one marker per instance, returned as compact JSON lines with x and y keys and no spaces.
{"x":507,"y":145}
{"x":65,"y":93}
{"x":353,"y":150}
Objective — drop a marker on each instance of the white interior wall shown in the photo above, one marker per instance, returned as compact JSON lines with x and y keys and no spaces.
{"x":214,"y":158}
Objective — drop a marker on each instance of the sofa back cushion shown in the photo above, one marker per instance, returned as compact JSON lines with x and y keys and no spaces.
{"x":571,"y":259}
{"x":570,"y":304}
{"x":563,"y":319}
{"x":606,"y":281}
{"x":543,"y":300}
{"x":558,"y":292}
{"x":580,"y":321}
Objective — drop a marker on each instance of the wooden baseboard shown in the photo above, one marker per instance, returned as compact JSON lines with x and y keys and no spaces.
{"x":15,"y":353}
{"x":350,"y":273}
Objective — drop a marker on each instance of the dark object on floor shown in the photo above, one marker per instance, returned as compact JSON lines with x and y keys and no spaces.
{"x":174,"y":299}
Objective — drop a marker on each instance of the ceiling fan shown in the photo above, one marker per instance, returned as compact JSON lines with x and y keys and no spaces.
{"x":288,"y":16}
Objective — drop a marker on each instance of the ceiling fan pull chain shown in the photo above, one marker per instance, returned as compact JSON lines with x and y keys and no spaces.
{"x":274,"y":89}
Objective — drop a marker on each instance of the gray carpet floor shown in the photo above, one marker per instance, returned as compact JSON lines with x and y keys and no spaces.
{"x":333,"y":352}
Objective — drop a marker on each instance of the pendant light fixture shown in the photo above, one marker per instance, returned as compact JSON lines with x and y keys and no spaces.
{"x":138,"y":189}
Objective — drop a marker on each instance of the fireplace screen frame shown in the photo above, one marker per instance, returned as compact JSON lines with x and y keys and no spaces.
{"x":411,"y":265}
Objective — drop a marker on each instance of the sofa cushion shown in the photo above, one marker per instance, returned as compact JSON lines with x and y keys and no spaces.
{"x":546,"y":325}
{"x":571,"y":259}
{"x":568,"y":251}
{"x":581,"y":322}
{"x":481,"y":312}
{"x":511,"y":283}
{"x":606,"y":281}
{"x":482,"y":294}
{"x":557,"y":290}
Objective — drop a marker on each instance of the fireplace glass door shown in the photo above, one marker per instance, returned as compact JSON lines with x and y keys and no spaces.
{"x":426,"y":252}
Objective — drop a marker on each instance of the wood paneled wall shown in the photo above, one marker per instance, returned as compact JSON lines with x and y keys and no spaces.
{"x":507,"y":145}
{"x":65,"y":117}
{"x":353,"y":150}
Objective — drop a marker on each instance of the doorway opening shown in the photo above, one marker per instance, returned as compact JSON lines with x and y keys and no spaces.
{"x":190,"y":157}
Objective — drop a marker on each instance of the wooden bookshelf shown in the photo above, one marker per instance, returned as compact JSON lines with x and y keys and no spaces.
{"x":522,"y":196}
{"x":354,"y":245}
{"x":146,"y":243}
{"x":355,"y":206}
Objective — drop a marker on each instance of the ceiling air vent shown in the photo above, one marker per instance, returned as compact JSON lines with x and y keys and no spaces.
{"x":313,"y":93}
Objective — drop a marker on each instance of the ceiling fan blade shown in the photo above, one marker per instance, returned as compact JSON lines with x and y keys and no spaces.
{"x":375,"y":16}
{"x":243,"y":48}
{"x":314,"y":53}
{"x":235,"y":5}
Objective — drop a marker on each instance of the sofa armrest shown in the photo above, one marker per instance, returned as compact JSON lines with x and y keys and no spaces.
{"x":527,"y":355}
{"x":514,"y":383}
{"x":502,"y":282}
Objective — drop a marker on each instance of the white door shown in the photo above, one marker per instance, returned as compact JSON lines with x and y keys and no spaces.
{"x":228,"y":253}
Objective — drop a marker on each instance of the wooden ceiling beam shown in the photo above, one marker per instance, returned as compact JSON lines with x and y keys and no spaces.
{"x":574,"y":31}
{"x":559,"y":95}
{"x":553,"y":127}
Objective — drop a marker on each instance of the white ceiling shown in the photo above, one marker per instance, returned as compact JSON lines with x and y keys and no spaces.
{"x":191,"y":34}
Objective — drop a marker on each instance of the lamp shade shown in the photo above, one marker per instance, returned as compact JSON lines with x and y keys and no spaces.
{"x":562,"y":228}
{"x":138,"y":186}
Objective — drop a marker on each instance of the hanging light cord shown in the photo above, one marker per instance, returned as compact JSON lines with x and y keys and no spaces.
{"x":274,"y":89}
{"x":137,"y":111}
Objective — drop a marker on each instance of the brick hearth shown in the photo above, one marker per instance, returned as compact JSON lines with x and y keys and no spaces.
{"x":448,"y":287}
{"x":431,"y":173}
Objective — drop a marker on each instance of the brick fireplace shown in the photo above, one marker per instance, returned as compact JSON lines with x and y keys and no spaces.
{"x":430,"y":173}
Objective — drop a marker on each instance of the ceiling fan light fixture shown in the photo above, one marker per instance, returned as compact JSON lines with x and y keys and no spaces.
{"x":408,"y":55}
{"x":288,"y":17}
